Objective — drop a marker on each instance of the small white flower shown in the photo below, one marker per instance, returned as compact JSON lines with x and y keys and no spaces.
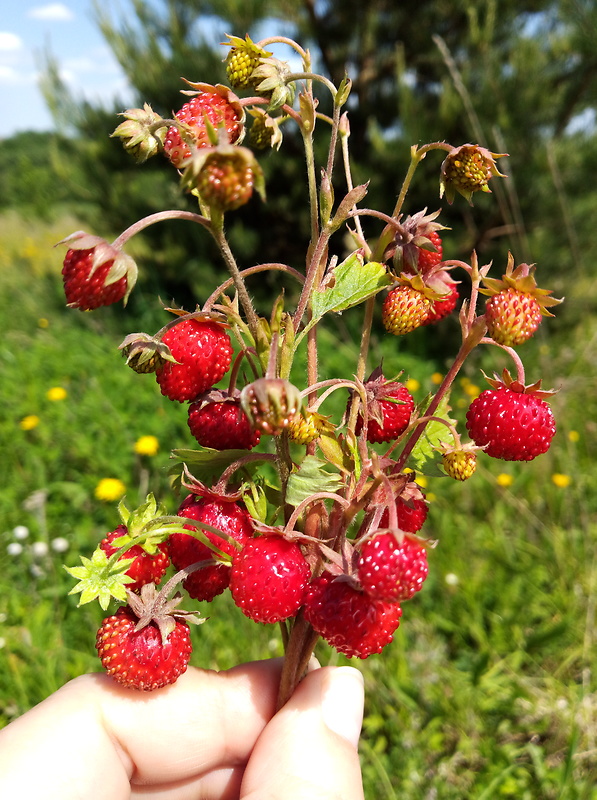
{"x":3,"y":618}
{"x":14,"y":549}
{"x":2,"y":642}
{"x":39,"y":549}
{"x":452,"y":579}
{"x":36,"y":571}
{"x":60,"y":544}
{"x":20,"y":532}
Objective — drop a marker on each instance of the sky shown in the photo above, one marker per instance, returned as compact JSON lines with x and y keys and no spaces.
{"x":28,"y":28}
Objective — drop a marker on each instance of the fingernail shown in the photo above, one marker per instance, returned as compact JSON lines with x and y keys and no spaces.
{"x":342,"y":703}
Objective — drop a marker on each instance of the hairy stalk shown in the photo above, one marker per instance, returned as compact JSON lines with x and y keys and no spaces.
{"x":239,"y":283}
{"x":472,"y":340}
{"x":160,"y":216}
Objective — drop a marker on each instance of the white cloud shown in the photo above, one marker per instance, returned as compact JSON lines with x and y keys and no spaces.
{"x":53,"y":12}
{"x":10,"y":41}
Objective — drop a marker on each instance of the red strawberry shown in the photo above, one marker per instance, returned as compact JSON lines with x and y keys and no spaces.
{"x":215,"y":105}
{"x":203,"y":351}
{"x":348,"y":619}
{"x":444,"y":306}
{"x":184,"y":549}
{"x":390,"y":406}
{"x":268,"y":578}
{"x":145,"y":647}
{"x":511,"y":422}
{"x":95,"y":273}
{"x":145,"y":568}
{"x":431,"y":258}
{"x":411,"y":514}
{"x":222,"y":426}
{"x":391,"y":570}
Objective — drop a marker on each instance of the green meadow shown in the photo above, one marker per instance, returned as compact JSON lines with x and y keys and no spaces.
{"x":489,"y":688}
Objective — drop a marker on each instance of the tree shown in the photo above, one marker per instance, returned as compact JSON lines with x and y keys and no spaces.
{"x":510,"y":75}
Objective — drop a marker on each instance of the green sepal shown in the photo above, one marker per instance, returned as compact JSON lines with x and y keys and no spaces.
{"x":255,"y":500}
{"x":101,"y":580}
{"x":339,"y":456}
{"x":207,"y":463}
{"x":435,"y":433}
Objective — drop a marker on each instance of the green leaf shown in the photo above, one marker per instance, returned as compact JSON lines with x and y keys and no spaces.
{"x":310,"y":478}
{"x":206,"y":464}
{"x":434,"y":434}
{"x":347,"y":285}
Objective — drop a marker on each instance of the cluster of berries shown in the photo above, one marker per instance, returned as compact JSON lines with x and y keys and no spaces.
{"x":269,"y":576}
{"x":349,"y":552}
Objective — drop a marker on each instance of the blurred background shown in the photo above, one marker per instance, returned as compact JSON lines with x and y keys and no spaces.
{"x":489,"y":688}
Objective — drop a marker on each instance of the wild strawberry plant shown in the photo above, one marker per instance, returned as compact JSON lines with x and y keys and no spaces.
{"x":334,"y":544}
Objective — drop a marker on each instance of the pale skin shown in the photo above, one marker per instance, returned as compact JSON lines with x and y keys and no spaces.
{"x":210,"y":736}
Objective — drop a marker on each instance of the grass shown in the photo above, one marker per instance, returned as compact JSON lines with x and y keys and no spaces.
{"x":488,"y":690}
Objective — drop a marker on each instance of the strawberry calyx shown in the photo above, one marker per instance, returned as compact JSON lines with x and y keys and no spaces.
{"x":412,"y":236}
{"x":142,"y":133}
{"x":153,"y":606}
{"x":145,"y":353}
{"x":522,"y":279}
{"x":515,"y":385}
{"x":378,"y":389}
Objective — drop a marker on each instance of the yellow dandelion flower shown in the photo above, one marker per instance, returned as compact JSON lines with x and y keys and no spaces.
{"x":29,"y":422}
{"x":56,"y":393}
{"x":422,"y":481}
{"x":464,"y":381}
{"x":574,"y":436}
{"x":472,"y":390}
{"x":437,"y":378}
{"x":504,"y":480}
{"x":430,"y":497}
{"x":560,"y":480}
{"x":147,"y":445}
{"x":412,"y":384}
{"x":110,"y":489}
{"x":42,"y":322}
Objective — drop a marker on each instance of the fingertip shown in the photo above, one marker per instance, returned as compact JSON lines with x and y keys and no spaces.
{"x":343,"y":696}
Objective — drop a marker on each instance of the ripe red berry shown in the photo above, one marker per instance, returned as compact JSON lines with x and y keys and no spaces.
{"x":395,"y":405}
{"x":441,"y":308}
{"x":222,"y":426}
{"x":203,"y":351}
{"x":184,"y":549}
{"x":392,"y":570}
{"x":514,"y":425}
{"x":348,"y":619}
{"x":84,"y":287}
{"x":431,"y":258}
{"x":142,"y":659}
{"x":268,"y":578}
{"x":411,"y":514}
{"x":206,"y":105}
{"x":145,"y":568}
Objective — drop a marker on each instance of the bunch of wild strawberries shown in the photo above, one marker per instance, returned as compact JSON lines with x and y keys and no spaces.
{"x":333,"y":547}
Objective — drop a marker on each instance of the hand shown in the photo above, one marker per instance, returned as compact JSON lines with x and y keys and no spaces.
{"x":210,"y":736}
